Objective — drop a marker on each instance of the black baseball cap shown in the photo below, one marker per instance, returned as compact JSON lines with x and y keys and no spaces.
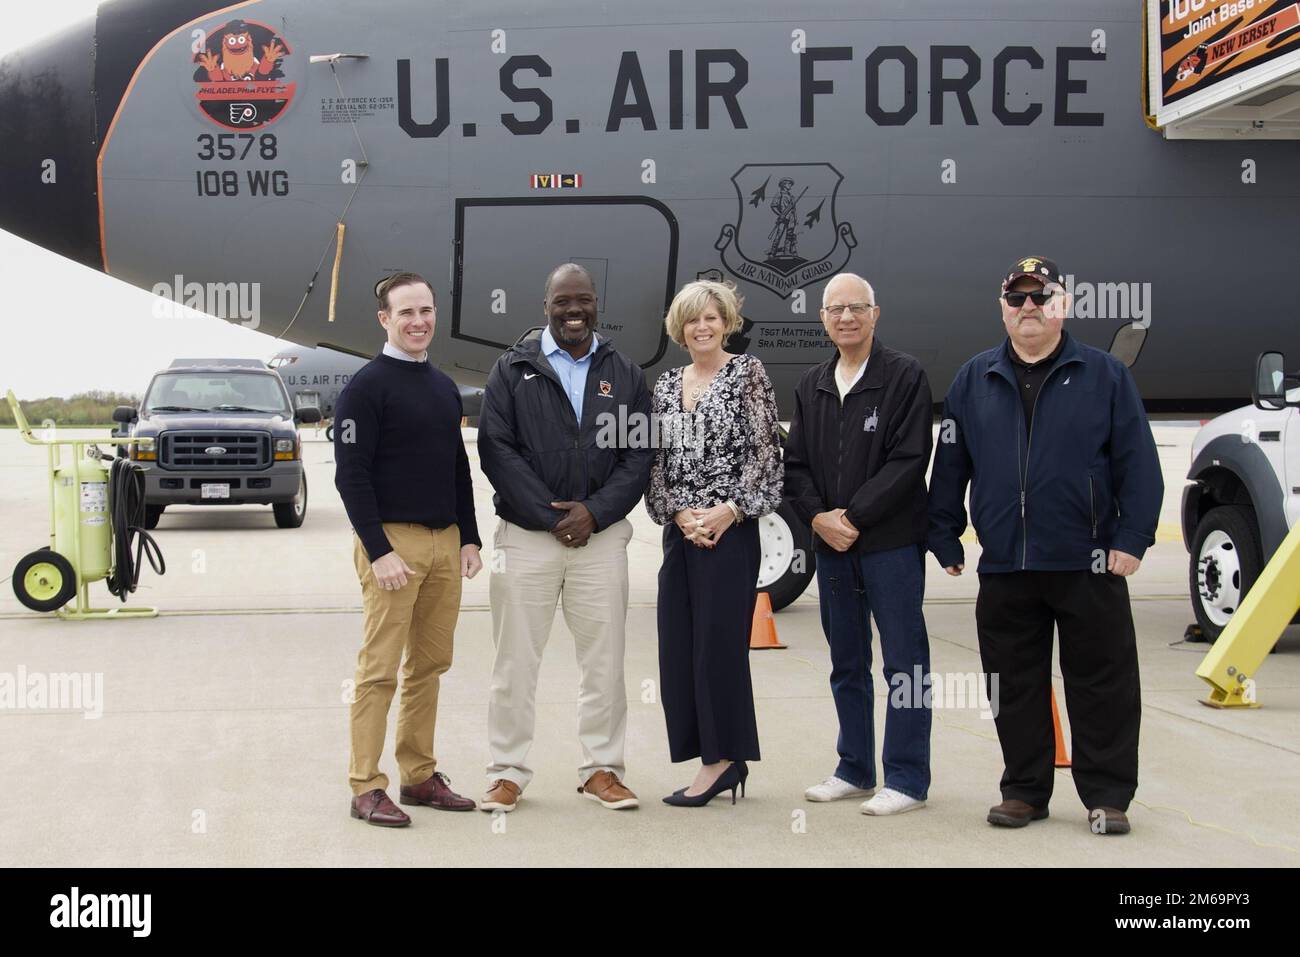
{"x":1035,"y":267}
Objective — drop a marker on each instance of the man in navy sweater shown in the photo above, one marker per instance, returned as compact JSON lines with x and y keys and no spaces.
{"x":1065,"y":490}
{"x":402,"y":472}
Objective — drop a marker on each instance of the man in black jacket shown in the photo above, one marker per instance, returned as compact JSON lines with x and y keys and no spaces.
{"x":563,"y":492}
{"x":1065,"y":491}
{"x":855,"y":464}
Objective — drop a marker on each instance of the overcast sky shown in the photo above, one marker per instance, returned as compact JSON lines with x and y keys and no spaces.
{"x":59,"y":321}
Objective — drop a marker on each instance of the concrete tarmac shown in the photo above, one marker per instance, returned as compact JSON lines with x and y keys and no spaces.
{"x":224,"y":732}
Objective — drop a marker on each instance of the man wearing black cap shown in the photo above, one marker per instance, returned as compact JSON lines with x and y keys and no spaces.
{"x":1065,"y":492}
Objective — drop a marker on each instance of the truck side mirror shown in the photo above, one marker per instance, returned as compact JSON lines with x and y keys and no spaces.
{"x":124,"y":414}
{"x":1272,"y":383}
{"x":308,"y":415}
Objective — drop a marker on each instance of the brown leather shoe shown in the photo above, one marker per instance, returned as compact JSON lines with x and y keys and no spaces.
{"x":375,"y":808}
{"x":1015,"y":814}
{"x":605,"y":787}
{"x":435,"y":792}
{"x":503,"y":795}
{"x":1108,"y":820}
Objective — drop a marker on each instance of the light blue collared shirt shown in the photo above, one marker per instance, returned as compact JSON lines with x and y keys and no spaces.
{"x":572,"y":373}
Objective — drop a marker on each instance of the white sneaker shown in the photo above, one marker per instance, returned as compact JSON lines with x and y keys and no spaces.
{"x":889,"y":801}
{"x":835,"y":789}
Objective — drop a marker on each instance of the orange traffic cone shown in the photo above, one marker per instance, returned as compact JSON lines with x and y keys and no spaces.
{"x":1062,"y":756}
{"x":763,"y":634}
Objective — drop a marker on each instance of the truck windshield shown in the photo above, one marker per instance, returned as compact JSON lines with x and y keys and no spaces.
{"x":216,"y":392}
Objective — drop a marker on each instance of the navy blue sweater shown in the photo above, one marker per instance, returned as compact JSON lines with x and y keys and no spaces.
{"x":398,"y":452}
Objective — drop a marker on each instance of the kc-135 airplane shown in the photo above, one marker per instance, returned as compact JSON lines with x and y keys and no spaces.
{"x":268,"y":161}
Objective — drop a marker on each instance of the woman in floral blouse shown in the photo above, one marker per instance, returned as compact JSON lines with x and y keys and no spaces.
{"x":718,"y":469}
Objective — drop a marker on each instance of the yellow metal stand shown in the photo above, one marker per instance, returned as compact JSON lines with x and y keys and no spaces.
{"x":82,"y":610}
{"x":1230,"y":666}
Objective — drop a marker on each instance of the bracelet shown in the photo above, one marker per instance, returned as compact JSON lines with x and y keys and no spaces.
{"x":735,"y":511}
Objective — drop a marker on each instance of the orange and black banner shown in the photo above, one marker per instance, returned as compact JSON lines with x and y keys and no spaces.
{"x":1204,"y":42}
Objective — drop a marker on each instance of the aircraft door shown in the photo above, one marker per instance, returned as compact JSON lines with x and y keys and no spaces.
{"x":506,"y":247}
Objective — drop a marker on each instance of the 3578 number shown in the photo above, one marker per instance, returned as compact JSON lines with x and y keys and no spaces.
{"x":226,"y":146}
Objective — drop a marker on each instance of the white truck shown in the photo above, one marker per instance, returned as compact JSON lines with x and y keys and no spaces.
{"x":1243,"y":494}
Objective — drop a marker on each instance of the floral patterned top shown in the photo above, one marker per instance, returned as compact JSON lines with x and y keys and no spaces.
{"x":729,"y":447}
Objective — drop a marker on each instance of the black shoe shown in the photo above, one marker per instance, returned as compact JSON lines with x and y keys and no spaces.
{"x":744,"y":776}
{"x":728,"y":780}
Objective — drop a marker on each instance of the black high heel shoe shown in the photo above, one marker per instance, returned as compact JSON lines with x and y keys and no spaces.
{"x":744,"y":775}
{"x":728,"y":780}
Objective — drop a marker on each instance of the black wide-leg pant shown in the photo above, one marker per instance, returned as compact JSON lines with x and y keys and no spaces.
{"x":706,"y":610}
{"x":1014,"y":616}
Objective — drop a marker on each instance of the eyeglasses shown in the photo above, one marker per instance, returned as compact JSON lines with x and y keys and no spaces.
{"x":857,"y":308}
{"x":1017,"y":299}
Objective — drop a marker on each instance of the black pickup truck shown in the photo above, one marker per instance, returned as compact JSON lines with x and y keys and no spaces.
{"x":225,"y":433}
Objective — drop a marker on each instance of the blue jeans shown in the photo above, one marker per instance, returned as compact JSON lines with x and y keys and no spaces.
{"x":888,"y":586}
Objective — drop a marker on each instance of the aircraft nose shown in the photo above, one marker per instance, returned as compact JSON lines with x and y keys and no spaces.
{"x":48,"y":184}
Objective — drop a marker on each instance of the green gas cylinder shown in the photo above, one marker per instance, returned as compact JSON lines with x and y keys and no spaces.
{"x":81,"y":517}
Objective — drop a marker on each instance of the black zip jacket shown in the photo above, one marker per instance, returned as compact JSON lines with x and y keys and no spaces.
{"x":868,"y":455}
{"x":533,"y":451}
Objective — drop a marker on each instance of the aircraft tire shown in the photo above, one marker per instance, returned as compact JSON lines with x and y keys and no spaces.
{"x":788,"y":563}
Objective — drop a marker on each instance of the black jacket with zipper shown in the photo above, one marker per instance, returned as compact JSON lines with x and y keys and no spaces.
{"x":534,"y":452}
{"x":868,"y":454}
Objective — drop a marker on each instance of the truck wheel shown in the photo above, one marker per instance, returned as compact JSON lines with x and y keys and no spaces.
{"x":787,"y":564}
{"x":151,"y":515}
{"x":1225,"y":561}
{"x":291,"y":514}
{"x":44,"y":580}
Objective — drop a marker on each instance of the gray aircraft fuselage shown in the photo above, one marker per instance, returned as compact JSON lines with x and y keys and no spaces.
{"x":926,"y":145}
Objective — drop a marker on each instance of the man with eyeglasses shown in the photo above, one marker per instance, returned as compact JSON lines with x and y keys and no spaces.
{"x":1065,"y":490}
{"x":855,"y":463}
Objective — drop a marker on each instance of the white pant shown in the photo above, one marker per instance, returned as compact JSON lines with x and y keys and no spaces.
{"x":531,"y":572}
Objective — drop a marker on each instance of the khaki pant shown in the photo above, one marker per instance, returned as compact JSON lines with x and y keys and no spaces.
{"x":531,"y":572}
{"x":417,"y":620}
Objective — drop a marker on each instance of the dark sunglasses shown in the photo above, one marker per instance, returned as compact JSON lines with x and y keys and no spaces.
{"x":1017,"y":299}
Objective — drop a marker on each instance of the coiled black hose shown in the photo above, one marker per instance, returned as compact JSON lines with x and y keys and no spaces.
{"x":126,"y":507}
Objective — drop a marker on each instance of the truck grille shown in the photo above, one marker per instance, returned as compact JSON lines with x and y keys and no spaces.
{"x":189,"y":450}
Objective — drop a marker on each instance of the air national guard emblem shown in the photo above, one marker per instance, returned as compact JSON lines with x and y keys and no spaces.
{"x":240,"y":75}
{"x":786,"y":235}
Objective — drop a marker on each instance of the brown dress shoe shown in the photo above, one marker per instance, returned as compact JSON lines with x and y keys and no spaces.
{"x":605,"y":787}
{"x":435,"y":792}
{"x":1015,"y":814}
{"x":375,"y":808}
{"x":1108,"y":820}
{"x":503,"y":795}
